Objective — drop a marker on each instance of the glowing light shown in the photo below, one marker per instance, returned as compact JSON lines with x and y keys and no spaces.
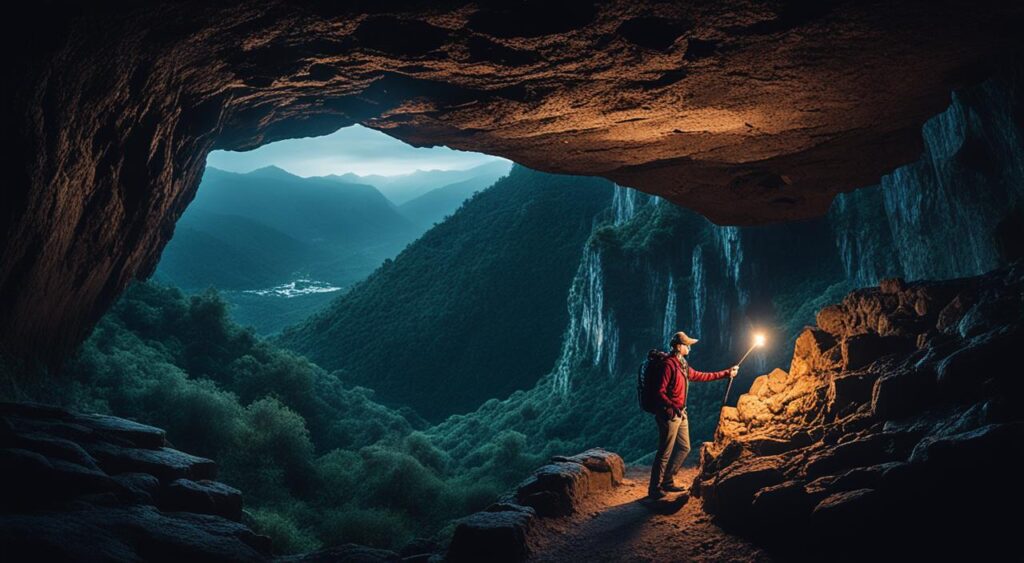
{"x":759,"y":341}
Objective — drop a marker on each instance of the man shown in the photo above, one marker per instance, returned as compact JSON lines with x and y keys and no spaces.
{"x":673,"y":428}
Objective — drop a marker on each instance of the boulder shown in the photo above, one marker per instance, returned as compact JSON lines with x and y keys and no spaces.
{"x":985,"y":357}
{"x":731,"y":492}
{"x":491,"y":536}
{"x":832,"y":319}
{"x":54,"y":447}
{"x":901,"y":392}
{"x":56,"y":428}
{"x":31,"y":479}
{"x":986,"y":447}
{"x":137,"y":488}
{"x":203,"y":497}
{"x":949,"y":318}
{"x":165,"y":463}
{"x":790,"y":401}
{"x":844,"y":513}
{"x":138,"y":533}
{"x":789,"y":498}
{"x":850,"y":390}
{"x":861,"y":350}
{"x":811,"y":352}
{"x":993,"y":310}
{"x":870,"y":450}
{"x":729,"y":424}
{"x":853,"y":479}
{"x":138,"y":435}
{"x":606,"y":468}
{"x":86,"y":488}
{"x":753,"y":410}
{"x":555,"y":489}
{"x":772,"y":445}
{"x":759,"y":387}
{"x":778,"y":380}
{"x":892,"y":285}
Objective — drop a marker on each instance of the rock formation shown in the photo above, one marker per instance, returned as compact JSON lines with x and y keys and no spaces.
{"x":766,"y":110}
{"x":896,"y":426}
{"x":502,"y":531}
{"x":99,"y":488}
{"x":92,"y":487}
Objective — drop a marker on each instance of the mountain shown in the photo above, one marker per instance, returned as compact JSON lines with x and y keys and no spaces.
{"x":231,"y":252}
{"x":279,"y":246}
{"x":311,"y":210}
{"x":472,"y":310}
{"x":406,"y":187}
{"x":433,"y":206}
{"x":254,"y":230}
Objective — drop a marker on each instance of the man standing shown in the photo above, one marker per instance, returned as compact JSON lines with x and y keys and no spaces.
{"x":673,"y":427}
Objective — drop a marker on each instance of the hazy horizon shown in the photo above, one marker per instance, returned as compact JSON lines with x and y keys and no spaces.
{"x":356,"y":149}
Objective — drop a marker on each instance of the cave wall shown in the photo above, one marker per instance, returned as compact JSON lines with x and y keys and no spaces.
{"x":955,"y":212}
{"x":651,"y":268}
{"x":766,"y":109}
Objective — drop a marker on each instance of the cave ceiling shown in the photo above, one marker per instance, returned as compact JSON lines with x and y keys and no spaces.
{"x":747,"y":112}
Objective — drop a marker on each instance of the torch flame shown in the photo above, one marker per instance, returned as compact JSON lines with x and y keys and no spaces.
{"x":758,"y":340}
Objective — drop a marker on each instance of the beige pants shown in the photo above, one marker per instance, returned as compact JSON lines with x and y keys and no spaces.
{"x":673,"y":447}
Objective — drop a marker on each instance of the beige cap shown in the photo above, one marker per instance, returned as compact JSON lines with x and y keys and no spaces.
{"x":681,"y":338}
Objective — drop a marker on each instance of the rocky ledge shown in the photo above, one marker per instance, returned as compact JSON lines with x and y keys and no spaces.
{"x":897,"y":427}
{"x":82,"y":487}
{"x":501,"y":532}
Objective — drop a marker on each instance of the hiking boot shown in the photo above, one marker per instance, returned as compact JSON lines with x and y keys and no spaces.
{"x":656,"y":494}
{"x":673,"y":488}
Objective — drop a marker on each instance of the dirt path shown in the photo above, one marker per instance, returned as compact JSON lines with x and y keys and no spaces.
{"x":619,"y":525}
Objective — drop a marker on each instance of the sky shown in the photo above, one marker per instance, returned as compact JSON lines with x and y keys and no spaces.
{"x":355,"y":149}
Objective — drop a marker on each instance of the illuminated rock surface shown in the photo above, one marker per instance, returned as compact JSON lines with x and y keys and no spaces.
{"x":901,"y":395}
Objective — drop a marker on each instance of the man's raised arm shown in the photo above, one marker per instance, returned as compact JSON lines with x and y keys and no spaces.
{"x":695,"y":375}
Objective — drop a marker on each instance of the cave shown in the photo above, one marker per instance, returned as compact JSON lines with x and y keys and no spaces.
{"x":774,"y":125}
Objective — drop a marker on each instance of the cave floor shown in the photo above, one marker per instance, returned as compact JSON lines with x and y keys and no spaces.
{"x":620,"y":525}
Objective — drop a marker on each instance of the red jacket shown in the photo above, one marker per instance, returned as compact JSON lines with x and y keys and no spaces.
{"x":672,"y":389}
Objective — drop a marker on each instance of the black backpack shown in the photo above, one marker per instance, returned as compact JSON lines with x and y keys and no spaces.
{"x":647,"y":380}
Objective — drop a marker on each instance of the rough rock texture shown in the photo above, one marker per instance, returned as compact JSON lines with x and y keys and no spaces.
{"x":99,"y":488}
{"x":501,"y":532}
{"x":747,"y":112}
{"x":897,"y":425}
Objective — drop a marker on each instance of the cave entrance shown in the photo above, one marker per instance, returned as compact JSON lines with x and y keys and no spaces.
{"x":281,"y":230}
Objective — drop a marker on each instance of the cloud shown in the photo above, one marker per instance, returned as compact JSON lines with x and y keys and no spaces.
{"x":355,"y":149}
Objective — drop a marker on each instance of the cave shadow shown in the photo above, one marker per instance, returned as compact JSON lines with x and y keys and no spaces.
{"x":665,"y":506}
{"x":620,"y":525}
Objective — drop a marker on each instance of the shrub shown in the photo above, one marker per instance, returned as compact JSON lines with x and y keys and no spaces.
{"x":285,"y":535}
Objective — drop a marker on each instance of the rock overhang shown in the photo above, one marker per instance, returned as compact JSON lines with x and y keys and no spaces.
{"x":746,"y":112}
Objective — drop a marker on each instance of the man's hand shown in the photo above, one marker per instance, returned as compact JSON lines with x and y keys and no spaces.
{"x":733,"y":371}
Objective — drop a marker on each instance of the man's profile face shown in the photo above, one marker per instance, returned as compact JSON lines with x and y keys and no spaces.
{"x":683,"y":349}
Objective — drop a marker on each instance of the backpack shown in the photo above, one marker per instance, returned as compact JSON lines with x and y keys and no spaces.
{"x":647,"y":379}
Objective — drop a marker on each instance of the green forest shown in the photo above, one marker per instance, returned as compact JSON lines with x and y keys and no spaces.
{"x":319,"y":462}
{"x":442,"y":328}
